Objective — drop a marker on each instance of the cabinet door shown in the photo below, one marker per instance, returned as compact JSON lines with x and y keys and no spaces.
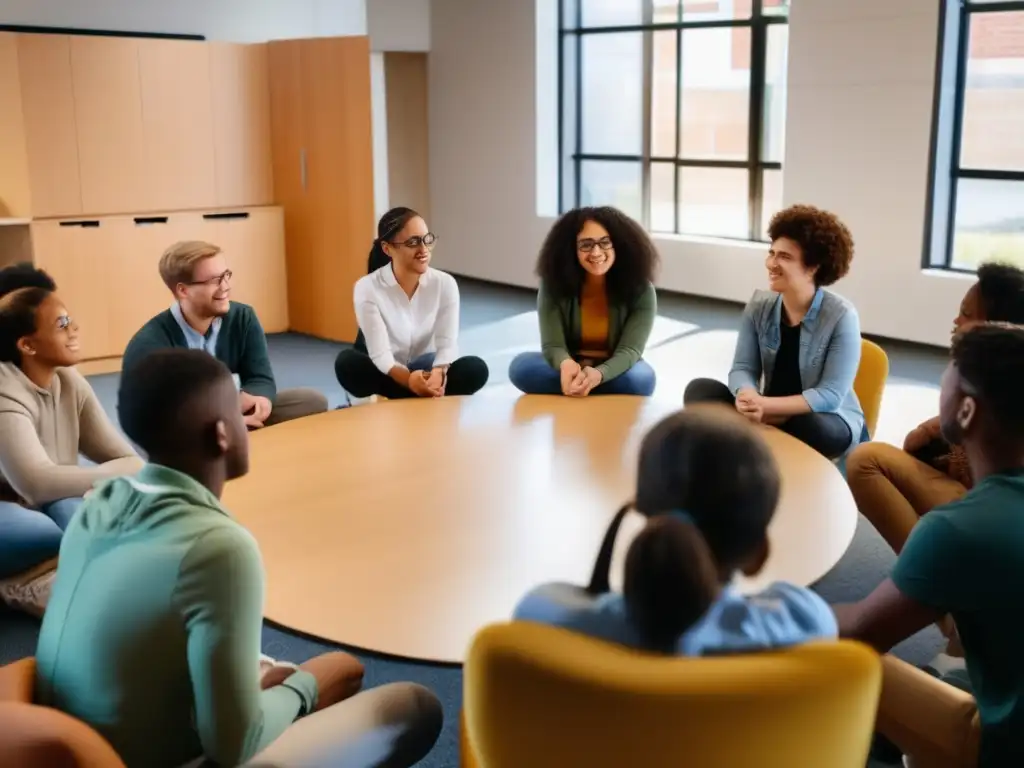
{"x":240,"y":85}
{"x":15,"y":199}
{"x":51,"y":125}
{"x":82,"y":258}
{"x":177,"y":120}
{"x":253,"y":243}
{"x":111,"y":143}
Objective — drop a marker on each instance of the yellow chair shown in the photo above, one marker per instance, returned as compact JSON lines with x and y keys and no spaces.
{"x":869,"y":383}
{"x":543,"y":697}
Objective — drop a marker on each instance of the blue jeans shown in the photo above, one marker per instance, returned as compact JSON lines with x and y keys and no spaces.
{"x":29,"y":537}
{"x":529,"y":372}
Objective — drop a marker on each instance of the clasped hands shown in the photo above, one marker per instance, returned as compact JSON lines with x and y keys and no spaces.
{"x":423,"y":384}
{"x":578,"y":380}
{"x":750,"y":403}
{"x":255,"y":409}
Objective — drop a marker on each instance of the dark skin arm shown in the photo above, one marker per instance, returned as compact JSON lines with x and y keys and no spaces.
{"x":884,"y":618}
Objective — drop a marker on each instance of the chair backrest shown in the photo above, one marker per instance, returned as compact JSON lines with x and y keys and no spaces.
{"x":41,"y":737}
{"x":545,"y":697}
{"x":869,"y":383}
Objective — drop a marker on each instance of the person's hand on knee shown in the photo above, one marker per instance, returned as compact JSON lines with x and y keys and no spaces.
{"x":570,"y":373}
{"x":339,"y":675}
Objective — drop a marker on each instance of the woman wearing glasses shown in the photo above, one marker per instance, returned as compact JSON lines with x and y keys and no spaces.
{"x":408,"y":315}
{"x":597,"y":306}
{"x":48,"y":416}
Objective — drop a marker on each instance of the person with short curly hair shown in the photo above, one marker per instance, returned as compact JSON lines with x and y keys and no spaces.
{"x":596,"y":304}
{"x":799,"y":344}
{"x":895,"y":487}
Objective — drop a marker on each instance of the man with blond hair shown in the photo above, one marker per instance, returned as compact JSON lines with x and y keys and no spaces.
{"x":203,"y":317}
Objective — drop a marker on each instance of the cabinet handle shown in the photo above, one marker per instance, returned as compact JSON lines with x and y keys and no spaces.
{"x":143,"y":220}
{"x":302,"y":167}
{"x":82,"y":224}
{"x":225,"y":216}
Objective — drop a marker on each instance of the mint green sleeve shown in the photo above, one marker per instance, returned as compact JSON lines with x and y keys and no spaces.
{"x":635,"y":334}
{"x":220,"y":596}
{"x":552,"y":331}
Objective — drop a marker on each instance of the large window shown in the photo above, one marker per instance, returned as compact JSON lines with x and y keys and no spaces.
{"x":979,"y":190}
{"x":674,"y":111}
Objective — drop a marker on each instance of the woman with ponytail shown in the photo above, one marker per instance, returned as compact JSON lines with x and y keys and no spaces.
{"x":408,"y":317}
{"x":707,"y":488}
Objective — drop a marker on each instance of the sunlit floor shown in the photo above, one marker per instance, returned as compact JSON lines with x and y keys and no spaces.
{"x":692,"y":337}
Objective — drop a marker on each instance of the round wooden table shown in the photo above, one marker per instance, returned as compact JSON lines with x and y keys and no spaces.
{"x":403,"y":527}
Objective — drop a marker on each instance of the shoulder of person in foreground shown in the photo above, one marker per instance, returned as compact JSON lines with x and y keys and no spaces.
{"x":779,"y":616}
{"x":573,"y":608}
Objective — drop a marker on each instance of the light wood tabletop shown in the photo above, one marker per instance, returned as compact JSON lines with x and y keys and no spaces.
{"x":403,"y":527}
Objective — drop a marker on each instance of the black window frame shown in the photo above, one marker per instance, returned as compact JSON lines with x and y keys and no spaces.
{"x":570,"y":164}
{"x":945,"y":170}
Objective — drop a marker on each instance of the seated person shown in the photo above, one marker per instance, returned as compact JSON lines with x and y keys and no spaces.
{"x":409,"y":313}
{"x":48,"y":416}
{"x":708,"y":486}
{"x":152,"y":636}
{"x":799,"y":345}
{"x":204,"y":317}
{"x":895,"y":487}
{"x":965,"y":559}
{"x":596,"y":306}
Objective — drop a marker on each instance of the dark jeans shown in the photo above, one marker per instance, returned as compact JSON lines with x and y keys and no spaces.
{"x":529,"y":372}
{"x":826,"y":433}
{"x":29,"y":537}
{"x":361,"y":378}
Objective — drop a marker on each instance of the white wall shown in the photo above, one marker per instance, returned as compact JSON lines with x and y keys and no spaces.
{"x":858,"y":137}
{"x":234,"y":20}
{"x":399,"y":25}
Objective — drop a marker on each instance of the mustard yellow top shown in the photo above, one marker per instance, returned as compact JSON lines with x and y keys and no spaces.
{"x":594,"y":324}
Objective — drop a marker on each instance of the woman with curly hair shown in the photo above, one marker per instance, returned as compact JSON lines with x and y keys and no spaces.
{"x":799,"y":344}
{"x":597,"y":306}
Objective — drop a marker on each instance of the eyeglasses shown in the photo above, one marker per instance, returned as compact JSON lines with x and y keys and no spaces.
{"x":588,"y":245}
{"x":223,"y":277}
{"x":64,"y":322}
{"x":416,"y":242}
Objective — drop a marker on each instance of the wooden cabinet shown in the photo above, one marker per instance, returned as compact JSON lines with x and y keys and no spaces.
{"x":15,"y":196}
{"x":253,"y":244}
{"x":240,"y":88}
{"x":179,"y":168}
{"x":82,"y":256}
{"x":51,"y":128}
{"x":111,"y":141}
{"x":323,"y":175}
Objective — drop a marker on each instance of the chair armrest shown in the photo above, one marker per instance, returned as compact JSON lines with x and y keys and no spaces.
{"x":935,"y":723}
{"x":17,"y":681}
{"x":40,"y":737}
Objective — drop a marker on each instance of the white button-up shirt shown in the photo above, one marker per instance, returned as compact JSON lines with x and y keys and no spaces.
{"x":399,"y":329}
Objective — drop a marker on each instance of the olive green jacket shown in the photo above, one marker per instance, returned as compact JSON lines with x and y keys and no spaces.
{"x":629,"y":327}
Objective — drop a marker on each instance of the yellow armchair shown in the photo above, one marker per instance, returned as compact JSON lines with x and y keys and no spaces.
{"x":869,"y":384}
{"x":546,"y":698}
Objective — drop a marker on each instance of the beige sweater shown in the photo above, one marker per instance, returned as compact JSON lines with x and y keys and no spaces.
{"x":43,"y":432}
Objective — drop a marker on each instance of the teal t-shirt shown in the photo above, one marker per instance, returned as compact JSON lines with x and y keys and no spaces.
{"x":967,"y":559}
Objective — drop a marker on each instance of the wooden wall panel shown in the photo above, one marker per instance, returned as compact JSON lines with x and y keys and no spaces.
{"x":405,"y":77}
{"x":240,"y":89}
{"x":111,"y":139}
{"x":320,"y":110}
{"x":177,"y":121}
{"x":51,"y":124}
{"x":15,"y":196}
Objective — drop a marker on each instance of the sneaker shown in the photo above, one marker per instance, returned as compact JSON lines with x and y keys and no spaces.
{"x":30,"y":591}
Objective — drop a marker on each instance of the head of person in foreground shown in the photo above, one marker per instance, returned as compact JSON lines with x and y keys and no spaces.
{"x":36,"y":331}
{"x":979,"y":401}
{"x":709,"y":485}
{"x":180,"y":406}
{"x":597,"y":244}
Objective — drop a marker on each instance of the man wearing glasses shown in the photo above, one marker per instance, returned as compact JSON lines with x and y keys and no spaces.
{"x":203,"y":317}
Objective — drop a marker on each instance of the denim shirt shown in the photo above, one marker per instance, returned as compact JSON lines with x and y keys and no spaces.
{"x":829,"y":353}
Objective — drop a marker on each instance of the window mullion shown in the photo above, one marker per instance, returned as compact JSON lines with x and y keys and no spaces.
{"x":648,"y":87}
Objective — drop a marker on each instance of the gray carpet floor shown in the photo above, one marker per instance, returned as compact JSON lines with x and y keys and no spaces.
{"x":692,"y":337}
